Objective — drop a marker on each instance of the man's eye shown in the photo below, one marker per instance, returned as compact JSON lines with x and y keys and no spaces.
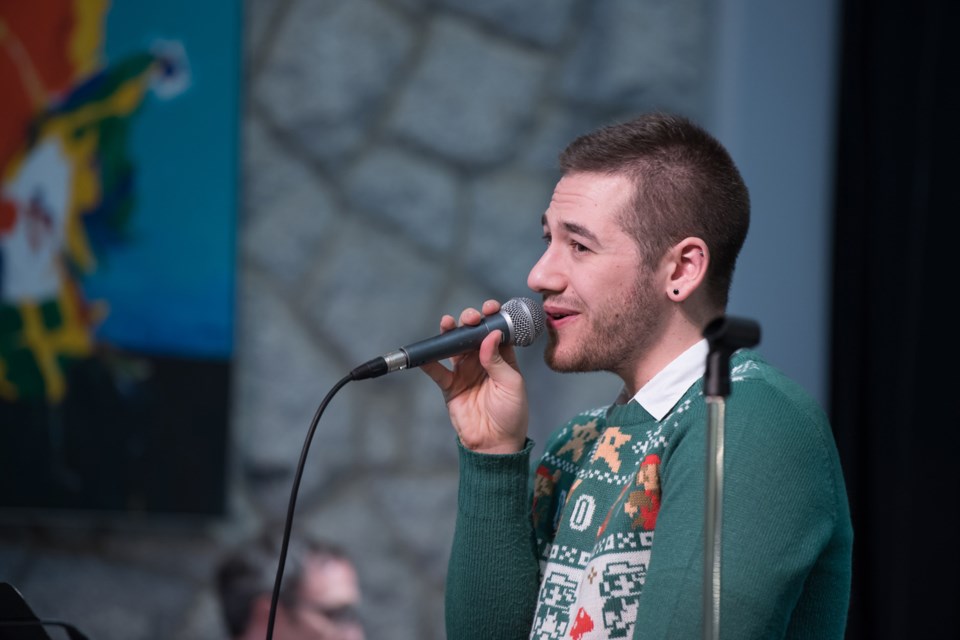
{"x":578,"y":248}
{"x":547,"y":238}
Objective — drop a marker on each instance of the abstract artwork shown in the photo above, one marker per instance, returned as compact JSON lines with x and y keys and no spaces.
{"x":118,"y":197}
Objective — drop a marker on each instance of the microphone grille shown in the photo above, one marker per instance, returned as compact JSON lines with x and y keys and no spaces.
{"x":527,"y":318}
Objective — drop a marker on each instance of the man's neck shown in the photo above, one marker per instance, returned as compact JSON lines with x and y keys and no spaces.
{"x":676,"y":339}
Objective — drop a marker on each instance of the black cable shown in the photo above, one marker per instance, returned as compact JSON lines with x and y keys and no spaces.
{"x":288,"y":525}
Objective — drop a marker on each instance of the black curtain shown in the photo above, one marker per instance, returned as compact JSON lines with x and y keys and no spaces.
{"x":895,"y":387}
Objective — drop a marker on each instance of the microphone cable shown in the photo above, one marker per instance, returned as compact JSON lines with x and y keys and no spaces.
{"x":522,"y":321}
{"x":288,"y":523}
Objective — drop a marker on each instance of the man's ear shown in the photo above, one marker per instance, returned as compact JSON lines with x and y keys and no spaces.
{"x":686,"y":266}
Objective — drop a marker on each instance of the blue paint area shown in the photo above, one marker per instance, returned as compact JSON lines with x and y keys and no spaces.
{"x":170,"y":281}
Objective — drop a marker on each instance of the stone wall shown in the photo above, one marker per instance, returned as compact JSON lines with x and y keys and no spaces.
{"x":397,"y":156}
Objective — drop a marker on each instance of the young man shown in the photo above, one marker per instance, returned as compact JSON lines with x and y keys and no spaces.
{"x":642,"y":235}
{"x":318,"y":598}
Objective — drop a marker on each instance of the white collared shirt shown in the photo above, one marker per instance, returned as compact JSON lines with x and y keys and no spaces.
{"x":663,"y":390}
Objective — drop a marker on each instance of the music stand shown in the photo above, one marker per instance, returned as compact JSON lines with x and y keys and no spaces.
{"x":19,"y":622}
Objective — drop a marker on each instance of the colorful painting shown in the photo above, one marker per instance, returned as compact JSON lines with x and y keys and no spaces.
{"x":118,"y":156}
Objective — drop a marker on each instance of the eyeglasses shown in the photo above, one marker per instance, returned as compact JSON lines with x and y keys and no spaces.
{"x":341,"y":616}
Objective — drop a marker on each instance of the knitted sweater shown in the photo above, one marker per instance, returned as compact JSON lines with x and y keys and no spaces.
{"x":608,"y":542}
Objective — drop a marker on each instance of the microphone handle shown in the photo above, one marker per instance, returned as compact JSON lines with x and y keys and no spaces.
{"x":451,"y":343}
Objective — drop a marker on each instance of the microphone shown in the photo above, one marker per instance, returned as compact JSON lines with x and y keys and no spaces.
{"x":520,"y":319}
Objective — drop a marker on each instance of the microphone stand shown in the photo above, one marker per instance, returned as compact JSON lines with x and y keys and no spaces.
{"x":724,"y":335}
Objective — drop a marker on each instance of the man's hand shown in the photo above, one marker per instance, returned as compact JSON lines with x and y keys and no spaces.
{"x":484,"y":392}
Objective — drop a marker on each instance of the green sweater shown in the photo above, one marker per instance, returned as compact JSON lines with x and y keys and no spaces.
{"x":574,"y":557}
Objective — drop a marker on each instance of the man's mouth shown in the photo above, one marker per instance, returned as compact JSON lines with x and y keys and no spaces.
{"x":556,"y":314}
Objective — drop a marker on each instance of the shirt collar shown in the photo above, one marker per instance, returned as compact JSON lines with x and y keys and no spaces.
{"x":665,"y":389}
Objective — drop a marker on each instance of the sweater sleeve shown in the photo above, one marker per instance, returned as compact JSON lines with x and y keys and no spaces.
{"x":493,"y":574}
{"x":785,"y":532}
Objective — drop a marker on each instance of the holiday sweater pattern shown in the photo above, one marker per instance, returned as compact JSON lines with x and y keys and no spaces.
{"x":595,"y":504}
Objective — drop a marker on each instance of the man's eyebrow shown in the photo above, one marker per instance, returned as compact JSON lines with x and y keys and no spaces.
{"x":574,"y":228}
{"x":580,"y":230}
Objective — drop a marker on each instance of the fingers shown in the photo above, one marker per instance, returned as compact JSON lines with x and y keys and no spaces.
{"x":490,"y":350}
{"x":490,"y":307}
{"x":471,"y":316}
{"x":468,"y":317}
{"x":499,"y":361}
{"x":447,"y":323}
{"x":442,"y":376}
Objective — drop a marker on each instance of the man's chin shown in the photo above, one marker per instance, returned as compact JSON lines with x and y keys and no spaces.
{"x":561,"y":362}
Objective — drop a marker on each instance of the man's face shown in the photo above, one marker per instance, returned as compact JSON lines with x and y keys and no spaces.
{"x":327,"y":602}
{"x":599,"y":299}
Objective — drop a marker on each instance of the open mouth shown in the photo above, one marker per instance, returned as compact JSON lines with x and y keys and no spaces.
{"x":555,"y":315}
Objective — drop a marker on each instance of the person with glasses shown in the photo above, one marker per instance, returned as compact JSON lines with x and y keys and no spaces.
{"x":319,"y":596}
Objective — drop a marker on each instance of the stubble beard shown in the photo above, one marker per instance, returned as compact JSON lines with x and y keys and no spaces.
{"x":617,"y":334}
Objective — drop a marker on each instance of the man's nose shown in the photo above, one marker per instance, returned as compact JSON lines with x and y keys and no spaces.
{"x":546,"y":274}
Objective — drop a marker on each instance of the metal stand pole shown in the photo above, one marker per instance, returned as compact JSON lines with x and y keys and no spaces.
{"x":714,"y":519}
{"x":724,"y":336}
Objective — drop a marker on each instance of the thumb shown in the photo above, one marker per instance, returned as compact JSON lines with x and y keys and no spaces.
{"x":493,"y":361}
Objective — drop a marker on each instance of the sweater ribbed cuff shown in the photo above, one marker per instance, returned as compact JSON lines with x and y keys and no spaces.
{"x":494,"y":486}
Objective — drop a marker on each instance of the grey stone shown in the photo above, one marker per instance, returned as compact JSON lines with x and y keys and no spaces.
{"x":256,"y":18}
{"x":544,"y":22}
{"x":421,"y":509}
{"x":164,"y":548}
{"x":106,"y":600}
{"x":332,"y":64}
{"x":417,"y":196}
{"x":433,"y":613}
{"x":387,"y":415}
{"x":467,"y":293}
{"x":647,"y":52}
{"x":505,"y":230}
{"x":433,"y":441}
{"x":557,"y":127}
{"x":374,"y":294}
{"x":292,"y":222}
{"x":472,"y":98}
{"x":270,"y":171}
{"x":413,"y":6}
{"x":392,"y":602}
{"x":281,"y":379}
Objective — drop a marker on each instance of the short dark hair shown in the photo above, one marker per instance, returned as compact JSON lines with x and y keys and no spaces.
{"x":686,"y":185}
{"x":249,"y":572}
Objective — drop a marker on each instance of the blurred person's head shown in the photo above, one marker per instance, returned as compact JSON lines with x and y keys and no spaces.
{"x":319,"y":593}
